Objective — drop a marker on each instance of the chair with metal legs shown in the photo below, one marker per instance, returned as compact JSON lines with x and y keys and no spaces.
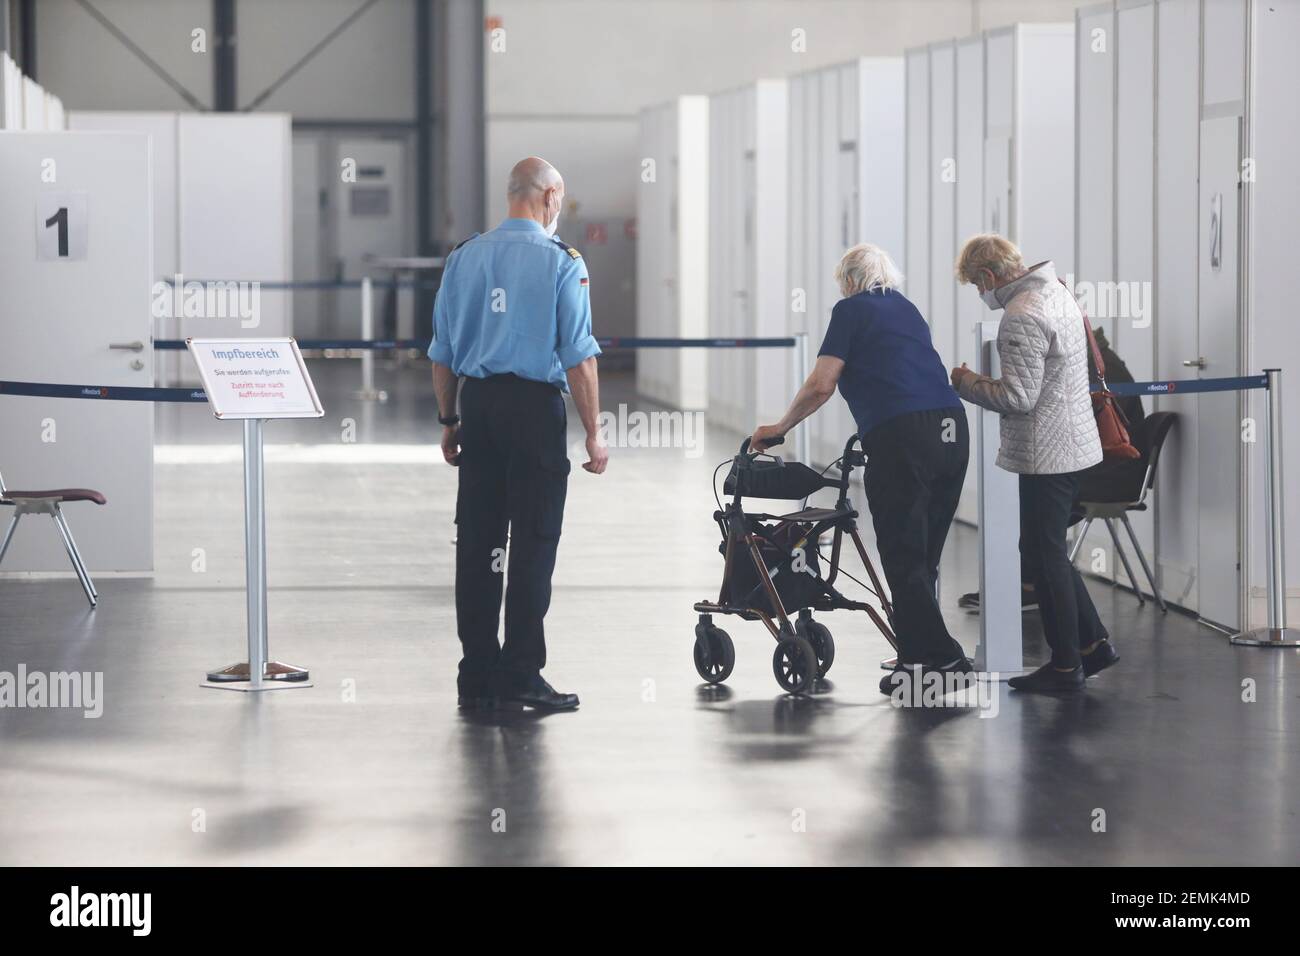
{"x":1154,"y":432}
{"x":49,"y":502}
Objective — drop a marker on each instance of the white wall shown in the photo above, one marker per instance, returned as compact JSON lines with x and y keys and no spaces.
{"x":575,"y":72}
{"x":1273,"y":341}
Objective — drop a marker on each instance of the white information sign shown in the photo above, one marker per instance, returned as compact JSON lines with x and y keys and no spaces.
{"x":255,"y":378}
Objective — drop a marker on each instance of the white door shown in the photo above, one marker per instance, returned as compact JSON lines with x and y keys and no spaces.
{"x":1218,"y":437}
{"x":370,"y":220}
{"x":65,"y":310}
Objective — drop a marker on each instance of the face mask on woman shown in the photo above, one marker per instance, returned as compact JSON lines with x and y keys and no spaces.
{"x":990,"y":297}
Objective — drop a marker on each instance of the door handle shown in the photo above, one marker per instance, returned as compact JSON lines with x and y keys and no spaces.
{"x":1194,"y":363}
{"x":1216,"y":232}
{"x":127,"y":346}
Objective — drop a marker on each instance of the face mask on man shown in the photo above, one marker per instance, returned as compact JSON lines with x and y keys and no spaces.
{"x":554,"y":224}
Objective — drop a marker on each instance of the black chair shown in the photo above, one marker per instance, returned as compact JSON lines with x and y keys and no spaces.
{"x":1129,"y":494}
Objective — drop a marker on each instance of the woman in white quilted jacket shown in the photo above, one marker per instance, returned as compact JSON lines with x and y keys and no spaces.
{"x":1048,"y":436}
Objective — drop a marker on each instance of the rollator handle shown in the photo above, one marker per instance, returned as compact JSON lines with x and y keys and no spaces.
{"x":744,"y":445}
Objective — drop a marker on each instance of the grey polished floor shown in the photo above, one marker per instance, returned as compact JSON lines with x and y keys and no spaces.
{"x":373,"y":765}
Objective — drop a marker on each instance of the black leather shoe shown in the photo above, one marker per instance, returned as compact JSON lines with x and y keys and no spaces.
{"x":538,"y":693}
{"x":467,"y":702}
{"x":960,"y":665}
{"x":1048,"y":680}
{"x":1102,"y":656}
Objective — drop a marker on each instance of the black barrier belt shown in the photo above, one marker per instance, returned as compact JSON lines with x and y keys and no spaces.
{"x":1184,"y":386}
{"x":111,"y":393}
{"x":130,"y":393}
{"x":605,"y":343}
{"x":307,"y":285}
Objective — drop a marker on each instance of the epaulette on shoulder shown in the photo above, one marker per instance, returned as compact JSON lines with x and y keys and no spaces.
{"x":573,"y":253}
{"x":463,"y":241}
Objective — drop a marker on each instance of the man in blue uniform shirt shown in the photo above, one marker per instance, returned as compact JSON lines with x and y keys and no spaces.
{"x":513,"y":320}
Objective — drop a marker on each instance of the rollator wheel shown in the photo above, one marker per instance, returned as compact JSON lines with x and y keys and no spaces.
{"x":794,"y":662}
{"x":716,"y":665}
{"x":823,"y":645}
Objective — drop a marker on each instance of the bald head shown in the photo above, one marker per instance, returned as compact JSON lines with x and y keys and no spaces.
{"x":535,"y":190}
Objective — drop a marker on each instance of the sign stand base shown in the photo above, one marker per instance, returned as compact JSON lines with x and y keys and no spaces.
{"x":1268,"y":637}
{"x":274,"y":670}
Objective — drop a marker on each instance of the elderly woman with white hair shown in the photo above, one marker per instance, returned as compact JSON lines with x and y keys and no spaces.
{"x":878,"y":351}
{"x":1048,"y":436}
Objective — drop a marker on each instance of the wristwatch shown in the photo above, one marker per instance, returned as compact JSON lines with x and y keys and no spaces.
{"x":449,"y":420}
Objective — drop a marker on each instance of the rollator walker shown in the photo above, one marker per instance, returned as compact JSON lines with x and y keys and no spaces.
{"x":772,"y":567}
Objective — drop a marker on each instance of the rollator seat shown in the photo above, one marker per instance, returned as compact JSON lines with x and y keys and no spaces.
{"x":57,"y":494}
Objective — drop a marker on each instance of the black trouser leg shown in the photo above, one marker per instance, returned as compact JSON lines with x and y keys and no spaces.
{"x":915,"y":467}
{"x":480,"y":544}
{"x":1070,"y":619}
{"x":538,"y":483}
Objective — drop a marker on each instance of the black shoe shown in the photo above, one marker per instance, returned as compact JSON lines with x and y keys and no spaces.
{"x":537,"y":693}
{"x":1047,"y":680}
{"x":959,"y":665}
{"x":971,"y":602}
{"x":1102,"y":656}
{"x":471,"y":702}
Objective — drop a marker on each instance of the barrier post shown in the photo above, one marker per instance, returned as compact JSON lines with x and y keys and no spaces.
{"x":799,"y":370}
{"x":368,"y":391}
{"x":1276,"y":634}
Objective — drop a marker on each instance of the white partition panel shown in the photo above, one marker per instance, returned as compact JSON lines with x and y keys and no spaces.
{"x":673,"y":250}
{"x":1274,"y":211}
{"x":1178,"y":116}
{"x":1126,"y":316}
{"x":1043,"y":169}
{"x":846,"y":163}
{"x":62,"y":318}
{"x":943,"y":174}
{"x":917,"y":217}
{"x":990,"y":148}
{"x":970,"y":220}
{"x":747,"y":253}
{"x":235,"y":215}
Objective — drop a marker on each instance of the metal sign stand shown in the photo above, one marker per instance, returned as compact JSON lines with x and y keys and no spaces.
{"x":1276,"y":634}
{"x":265,"y":674}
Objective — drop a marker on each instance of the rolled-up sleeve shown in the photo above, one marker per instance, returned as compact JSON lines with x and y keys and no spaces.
{"x":440,"y":347}
{"x":574,"y":341}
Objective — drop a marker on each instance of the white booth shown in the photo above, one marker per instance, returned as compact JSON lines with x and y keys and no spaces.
{"x":672,"y":256}
{"x":222,"y":196}
{"x":748,"y":295}
{"x":989,"y":146}
{"x":75,"y":227}
{"x":846,"y":165}
{"x":1185,"y":225}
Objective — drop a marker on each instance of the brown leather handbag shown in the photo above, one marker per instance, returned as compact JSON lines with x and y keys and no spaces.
{"x":1112,"y":423}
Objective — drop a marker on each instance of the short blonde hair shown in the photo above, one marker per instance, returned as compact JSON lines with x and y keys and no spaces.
{"x":866,"y":268}
{"x":989,"y":251}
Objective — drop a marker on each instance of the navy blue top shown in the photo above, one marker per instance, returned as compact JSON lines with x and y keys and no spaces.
{"x":890,"y":365}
